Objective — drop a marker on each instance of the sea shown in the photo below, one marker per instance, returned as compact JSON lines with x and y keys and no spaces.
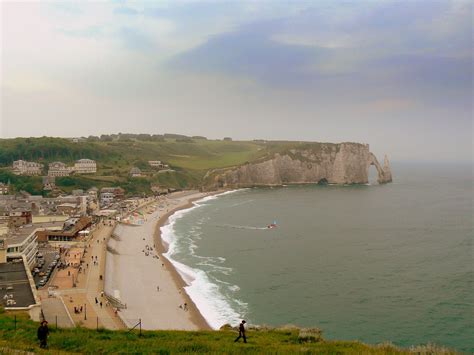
{"x":374,"y":263}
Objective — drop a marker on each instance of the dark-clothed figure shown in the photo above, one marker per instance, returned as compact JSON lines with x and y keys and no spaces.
{"x":43,"y":333}
{"x":241,"y":332}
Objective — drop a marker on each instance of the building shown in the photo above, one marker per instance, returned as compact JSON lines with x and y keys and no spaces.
{"x":49,"y":183}
{"x":157,"y":164}
{"x":106,"y":198}
{"x":92,"y":192}
{"x":29,"y":168}
{"x":22,"y":242}
{"x":135,"y":172}
{"x":85,"y":166}
{"x":17,"y":289}
{"x":70,"y":231}
{"x":4,"y":189}
{"x":58,"y":168}
{"x":67,"y":209}
{"x":19,"y":218}
{"x":118,"y":192}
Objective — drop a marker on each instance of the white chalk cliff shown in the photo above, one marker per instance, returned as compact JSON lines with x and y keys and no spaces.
{"x":344,"y":163}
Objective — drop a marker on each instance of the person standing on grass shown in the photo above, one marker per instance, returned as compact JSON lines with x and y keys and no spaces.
{"x":43,"y":333}
{"x":241,"y":332}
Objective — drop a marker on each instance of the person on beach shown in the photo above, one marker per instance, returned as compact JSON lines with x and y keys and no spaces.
{"x":43,"y":333}
{"x":241,"y":332}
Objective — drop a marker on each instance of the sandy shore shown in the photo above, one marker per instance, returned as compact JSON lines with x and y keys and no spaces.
{"x":134,"y":277}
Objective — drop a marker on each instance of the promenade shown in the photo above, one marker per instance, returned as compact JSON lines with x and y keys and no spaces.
{"x":76,"y":289}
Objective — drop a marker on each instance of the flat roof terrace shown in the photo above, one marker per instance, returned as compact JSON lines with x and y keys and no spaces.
{"x":19,"y":235}
{"x":13,"y":275}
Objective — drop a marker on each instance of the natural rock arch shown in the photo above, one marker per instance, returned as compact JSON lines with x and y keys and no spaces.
{"x":384,"y":173}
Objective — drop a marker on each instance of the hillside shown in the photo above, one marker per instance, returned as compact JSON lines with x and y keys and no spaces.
{"x":81,"y":340}
{"x":194,"y":162}
{"x":190,"y":158}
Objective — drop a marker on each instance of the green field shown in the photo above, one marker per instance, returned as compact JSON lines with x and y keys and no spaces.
{"x":80,"y":340}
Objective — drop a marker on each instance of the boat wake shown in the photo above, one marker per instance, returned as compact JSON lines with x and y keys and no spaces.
{"x":241,"y":227}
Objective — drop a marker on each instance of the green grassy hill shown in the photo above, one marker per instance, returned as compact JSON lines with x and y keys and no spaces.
{"x":80,"y":340}
{"x":190,"y":158}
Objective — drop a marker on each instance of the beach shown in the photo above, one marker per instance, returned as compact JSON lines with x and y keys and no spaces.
{"x":140,"y":276}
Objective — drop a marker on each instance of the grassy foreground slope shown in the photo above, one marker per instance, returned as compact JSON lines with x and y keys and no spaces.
{"x":80,"y":340}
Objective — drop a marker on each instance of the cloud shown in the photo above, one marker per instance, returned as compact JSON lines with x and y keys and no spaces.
{"x":337,"y":71}
{"x":123,"y":10}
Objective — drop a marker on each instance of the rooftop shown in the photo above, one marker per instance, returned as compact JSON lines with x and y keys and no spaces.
{"x":20,"y":234}
{"x":14,"y":275}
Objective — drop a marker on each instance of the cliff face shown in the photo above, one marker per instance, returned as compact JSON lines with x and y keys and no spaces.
{"x":345,"y":163}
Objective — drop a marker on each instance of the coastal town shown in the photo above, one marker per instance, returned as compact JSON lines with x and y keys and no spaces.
{"x":61,"y":259}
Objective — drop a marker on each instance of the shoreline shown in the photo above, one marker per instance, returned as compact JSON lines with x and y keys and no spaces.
{"x":162,"y":248}
{"x":163,"y":301}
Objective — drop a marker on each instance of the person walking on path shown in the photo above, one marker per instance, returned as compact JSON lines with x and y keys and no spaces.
{"x":241,"y":332}
{"x":43,"y":333}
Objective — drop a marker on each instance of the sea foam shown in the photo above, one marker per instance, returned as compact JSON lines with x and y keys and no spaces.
{"x":206,"y":294}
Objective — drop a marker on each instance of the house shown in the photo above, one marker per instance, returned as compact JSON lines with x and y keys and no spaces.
{"x":28,"y":168}
{"x":19,"y":218}
{"x":118,"y":192}
{"x":4,"y":188}
{"x":155,"y":163}
{"x":49,"y":183}
{"x":92,"y":192}
{"x":85,"y":166}
{"x":106,"y":198}
{"x":58,"y":168}
{"x":67,"y":209}
{"x":135,"y":172}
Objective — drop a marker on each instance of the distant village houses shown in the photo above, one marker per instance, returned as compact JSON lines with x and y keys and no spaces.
{"x":28,"y":168}
{"x":85,"y":166}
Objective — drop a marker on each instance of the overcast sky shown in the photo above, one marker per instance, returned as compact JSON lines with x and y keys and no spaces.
{"x":394,"y":74}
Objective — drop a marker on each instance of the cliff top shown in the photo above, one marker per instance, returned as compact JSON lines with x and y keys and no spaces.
{"x":19,"y":337}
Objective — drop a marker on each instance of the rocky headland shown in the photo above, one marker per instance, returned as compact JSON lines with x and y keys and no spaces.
{"x":323,"y":163}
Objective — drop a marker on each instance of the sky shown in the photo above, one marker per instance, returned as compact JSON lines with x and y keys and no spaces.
{"x":394,"y":74}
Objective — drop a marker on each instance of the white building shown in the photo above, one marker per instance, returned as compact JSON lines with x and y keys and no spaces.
{"x":22,"y":167}
{"x":23,"y":244}
{"x":58,"y":168}
{"x":85,"y":166}
{"x":4,"y":189}
{"x":157,"y":164}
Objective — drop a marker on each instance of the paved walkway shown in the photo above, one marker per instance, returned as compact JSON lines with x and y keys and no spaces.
{"x":55,"y":313}
{"x":80,"y":301}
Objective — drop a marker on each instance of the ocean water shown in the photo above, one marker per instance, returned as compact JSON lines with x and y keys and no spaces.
{"x":376,"y":262}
